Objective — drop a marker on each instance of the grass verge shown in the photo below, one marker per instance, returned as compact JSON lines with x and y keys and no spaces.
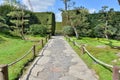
{"x":12,"y":49}
{"x":100,"y":49}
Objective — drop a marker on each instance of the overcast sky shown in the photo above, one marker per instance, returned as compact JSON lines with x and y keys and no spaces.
{"x":54,"y":5}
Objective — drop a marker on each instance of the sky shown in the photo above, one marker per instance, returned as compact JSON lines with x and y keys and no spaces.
{"x":55,"y":5}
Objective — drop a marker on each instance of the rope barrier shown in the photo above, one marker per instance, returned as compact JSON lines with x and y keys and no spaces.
{"x":4,"y":68}
{"x":98,"y":61}
{"x":40,"y":42}
{"x":20,"y":58}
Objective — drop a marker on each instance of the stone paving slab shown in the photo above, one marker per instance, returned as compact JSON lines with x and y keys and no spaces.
{"x":59,"y":62}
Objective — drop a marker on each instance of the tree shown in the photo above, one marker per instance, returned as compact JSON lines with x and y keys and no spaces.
{"x":66,"y":4}
{"x":18,"y":19}
{"x":3,"y":26}
{"x":78,"y":20}
{"x":4,"y":10}
{"x":100,"y":30}
{"x":65,"y":10}
{"x":104,"y":19}
{"x":3,"y":22}
{"x":20,"y":16}
{"x":97,"y":20}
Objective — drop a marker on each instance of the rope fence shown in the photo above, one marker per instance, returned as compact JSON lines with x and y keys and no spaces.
{"x":97,"y":60}
{"x":115,"y":69}
{"x":4,"y":68}
{"x":20,"y":58}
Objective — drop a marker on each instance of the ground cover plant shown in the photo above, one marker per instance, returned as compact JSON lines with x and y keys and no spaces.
{"x":102,"y":50}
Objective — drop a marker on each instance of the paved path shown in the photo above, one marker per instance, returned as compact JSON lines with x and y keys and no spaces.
{"x":59,"y":62}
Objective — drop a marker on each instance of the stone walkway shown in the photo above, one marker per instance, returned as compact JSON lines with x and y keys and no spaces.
{"x":59,"y":62}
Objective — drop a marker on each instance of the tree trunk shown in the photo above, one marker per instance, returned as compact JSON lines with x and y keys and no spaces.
{"x":65,"y":2}
{"x":74,"y":28}
{"x":76,"y":33}
{"x":106,"y":36}
{"x":22,"y":35}
{"x":22,"y":29}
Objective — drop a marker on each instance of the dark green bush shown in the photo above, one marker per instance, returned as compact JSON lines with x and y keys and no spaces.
{"x":37,"y":29}
{"x":68,"y":30}
{"x":4,"y":30}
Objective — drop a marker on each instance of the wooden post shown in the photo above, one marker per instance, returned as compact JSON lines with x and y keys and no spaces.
{"x":42,"y":44}
{"x":66,"y":37}
{"x":46,"y":39}
{"x":83,"y":51}
{"x":34,"y":50}
{"x":69,"y":39}
{"x":116,"y":73}
{"x":4,"y":72}
{"x":49,"y":36}
{"x":73,"y":42}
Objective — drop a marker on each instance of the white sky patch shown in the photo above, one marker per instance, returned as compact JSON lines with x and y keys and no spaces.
{"x":92,"y":10}
{"x":39,"y":5}
{"x":58,"y":17}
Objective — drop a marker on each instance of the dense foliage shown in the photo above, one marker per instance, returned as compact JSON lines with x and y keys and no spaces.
{"x":37,"y":29}
{"x":16,"y":20}
{"x":97,"y":26}
{"x":77,"y":18}
{"x":68,"y":30}
{"x":104,"y":24}
{"x":48,"y":19}
{"x":3,"y":26}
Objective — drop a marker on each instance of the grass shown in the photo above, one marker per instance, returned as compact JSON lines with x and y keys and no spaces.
{"x":101,"y":49}
{"x":13,"y":48}
{"x":59,"y":27}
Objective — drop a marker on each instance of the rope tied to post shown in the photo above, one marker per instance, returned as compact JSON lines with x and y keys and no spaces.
{"x":95,"y":59}
{"x":20,"y":58}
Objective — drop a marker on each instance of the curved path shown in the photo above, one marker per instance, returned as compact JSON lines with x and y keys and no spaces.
{"x":59,"y":62}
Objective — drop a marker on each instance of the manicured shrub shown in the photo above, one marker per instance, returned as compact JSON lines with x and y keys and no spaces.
{"x":37,"y":29}
{"x":68,"y":30}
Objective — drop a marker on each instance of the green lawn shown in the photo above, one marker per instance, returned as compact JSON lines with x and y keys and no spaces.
{"x":12,"y":48}
{"x":59,"y":27}
{"x":101,"y":49}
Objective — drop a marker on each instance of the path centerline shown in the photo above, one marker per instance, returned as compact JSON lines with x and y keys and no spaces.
{"x":59,"y":62}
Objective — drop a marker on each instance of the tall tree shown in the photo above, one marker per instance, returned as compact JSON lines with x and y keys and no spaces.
{"x":104,"y":18}
{"x":78,"y":20}
{"x":66,"y":4}
{"x":3,"y":22}
{"x":65,"y":10}
{"x":18,"y":19}
{"x":18,"y":16}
